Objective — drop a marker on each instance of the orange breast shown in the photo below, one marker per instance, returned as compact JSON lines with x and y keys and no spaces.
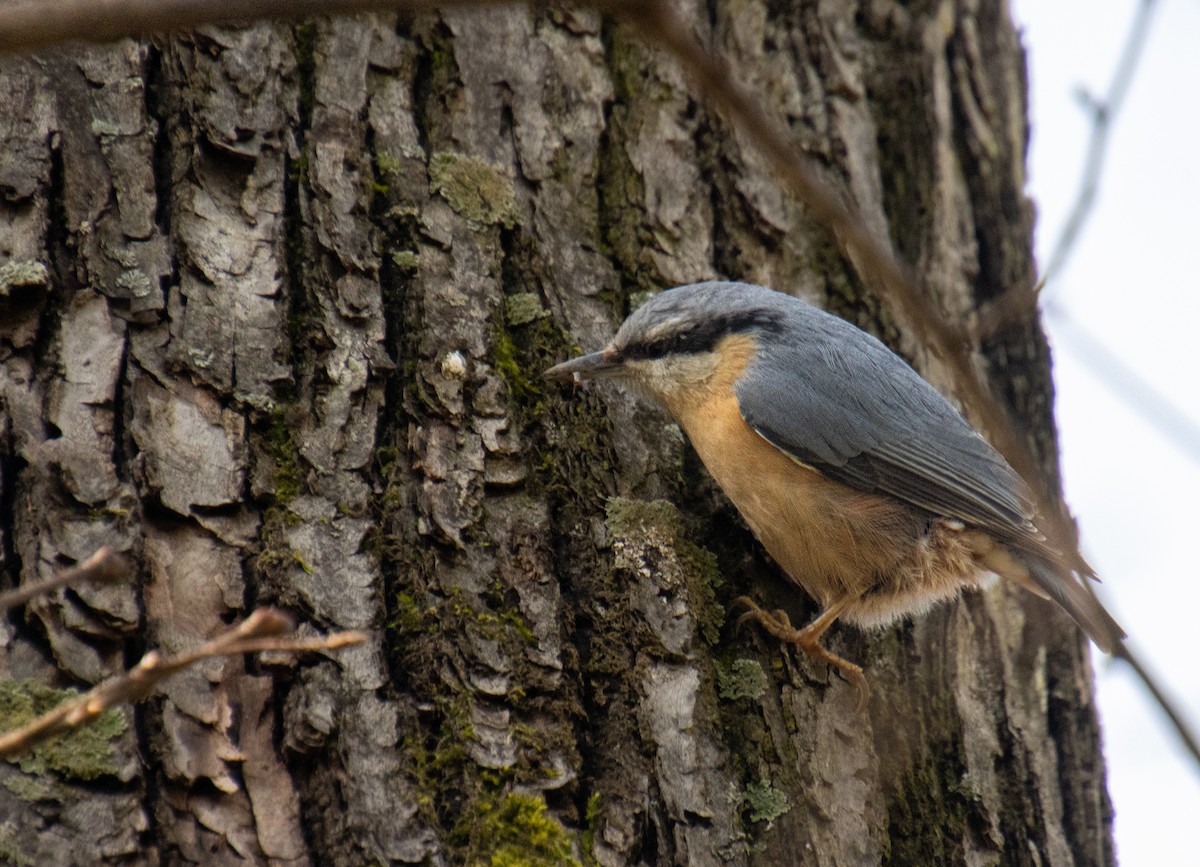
{"x":832,"y":540}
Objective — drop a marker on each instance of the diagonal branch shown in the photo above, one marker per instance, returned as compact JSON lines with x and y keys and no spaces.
{"x":104,"y":565}
{"x":1168,"y":705}
{"x":265,"y":629}
{"x":1103,"y":112}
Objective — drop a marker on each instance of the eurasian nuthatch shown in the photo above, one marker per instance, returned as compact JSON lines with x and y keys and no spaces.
{"x":857,"y":476}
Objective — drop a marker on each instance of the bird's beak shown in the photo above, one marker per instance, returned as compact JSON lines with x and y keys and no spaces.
{"x":592,"y":366}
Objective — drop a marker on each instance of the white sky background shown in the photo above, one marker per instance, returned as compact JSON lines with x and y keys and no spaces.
{"x":1133,"y":282}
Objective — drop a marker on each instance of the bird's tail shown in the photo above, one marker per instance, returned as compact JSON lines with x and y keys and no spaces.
{"x":1062,"y":585}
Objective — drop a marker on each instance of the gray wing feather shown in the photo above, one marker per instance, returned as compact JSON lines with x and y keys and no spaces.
{"x":866,"y":419}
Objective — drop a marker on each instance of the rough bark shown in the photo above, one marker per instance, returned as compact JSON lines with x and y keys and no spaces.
{"x":274,"y":301}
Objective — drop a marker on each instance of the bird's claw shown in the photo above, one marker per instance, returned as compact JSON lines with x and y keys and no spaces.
{"x":778,"y":624}
{"x":775,"y":622}
{"x":851,"y":673}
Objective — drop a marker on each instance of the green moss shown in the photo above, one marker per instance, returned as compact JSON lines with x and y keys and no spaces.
{"x":765,"y":803}
{"x":277,"y":558}
{"x":298,"y":169}
{"x":410,"y":617}
{"x":437,"y":754}
{"x":927,"y":812}
{"x":705,"y":579}
{"x":32,"y":788}
{"x":499,"y":625}
{"x":622,"y":190}
{"x":625,"y":239}
{"x":514,"y":830}
{"x":10,"y":847}
{"x":592,"y":818}
{"x":443,"y":62}
{"x":281,"y":447}
{"x":437,"y":765}
{"x":565,"y":430}
{"x":477,"y":190}
{"x":406,"y":260}
{"x":523,"y":308}
{"x":388,"y":164}
{"x":743,"y":678}
{"x":506,"y":358}
{"x":25,"y":274}
{"x":85,"y":753}
{"x":386,"y":539}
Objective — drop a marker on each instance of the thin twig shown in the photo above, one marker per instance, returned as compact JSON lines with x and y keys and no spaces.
{"x":1151,"y":404}
{"x":1103,"y":114}
{"x":104,"y":565}
{"x":1139,"y":393}
{"x":1190,"y":742}
{"x":264,"y":630}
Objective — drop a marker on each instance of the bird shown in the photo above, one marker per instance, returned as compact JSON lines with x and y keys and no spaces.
{"x":864,"y":484}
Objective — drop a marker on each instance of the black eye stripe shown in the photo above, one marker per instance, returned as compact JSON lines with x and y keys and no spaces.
{"x":703,"y":337}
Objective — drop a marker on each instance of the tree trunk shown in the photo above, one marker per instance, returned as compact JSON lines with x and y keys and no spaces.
{"x":275,"y":307}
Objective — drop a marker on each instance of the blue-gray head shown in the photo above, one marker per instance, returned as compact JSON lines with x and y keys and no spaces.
{"x":671,"y":343}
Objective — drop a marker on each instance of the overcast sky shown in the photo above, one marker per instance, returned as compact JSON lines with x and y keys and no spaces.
{"x":1131,"y":283}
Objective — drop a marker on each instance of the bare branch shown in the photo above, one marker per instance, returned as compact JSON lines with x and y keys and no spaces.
{"x":104,"y":565}
{"x":264,"y":630}
{"x":1190,"y":742}
{"x":1139,"y":393}
{"x":1103,"y":113}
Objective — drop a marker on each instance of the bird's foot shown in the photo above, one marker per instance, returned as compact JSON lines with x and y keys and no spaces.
{"x":808,"y":639}
{"x":775,"y":622}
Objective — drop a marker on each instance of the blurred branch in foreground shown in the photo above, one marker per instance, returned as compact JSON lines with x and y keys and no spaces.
{"x":1139,"y":394}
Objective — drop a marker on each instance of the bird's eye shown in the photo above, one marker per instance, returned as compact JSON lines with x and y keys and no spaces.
{"x":658,"y":348}
{"x":663,"y":346}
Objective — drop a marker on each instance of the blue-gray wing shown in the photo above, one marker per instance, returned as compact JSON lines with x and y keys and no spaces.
{"x":863,"y":417}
